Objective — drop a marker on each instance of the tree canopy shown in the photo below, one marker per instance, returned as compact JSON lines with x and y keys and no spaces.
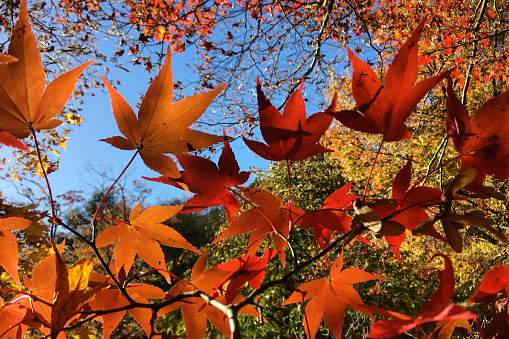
{"x":411,"y":176}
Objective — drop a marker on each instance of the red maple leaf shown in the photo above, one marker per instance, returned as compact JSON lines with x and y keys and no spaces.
{"x":453,"y":222}
{"x":290,"y":136}
{"x":385,"y":108}
{"x":484,"y":141}
{"x":212,"y":184}
{"x":494,"y":281}
{"x":408,"y":208}
{"x":246,"y":268}
{"x":196,"y":311}
{"x":330,"y":217}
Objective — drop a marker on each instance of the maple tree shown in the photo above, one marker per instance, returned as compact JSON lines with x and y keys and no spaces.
{"x":56,"y":299}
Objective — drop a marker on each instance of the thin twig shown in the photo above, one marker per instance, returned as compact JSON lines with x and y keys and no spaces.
{"x":316,"y":53}
{"x":474,"y":52}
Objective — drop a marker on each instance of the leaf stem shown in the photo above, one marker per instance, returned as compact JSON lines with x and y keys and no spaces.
{"x":52,"y":203}
{"x":94,"y":220}
{"x":288,"y":171}
{"x":372,"y":168}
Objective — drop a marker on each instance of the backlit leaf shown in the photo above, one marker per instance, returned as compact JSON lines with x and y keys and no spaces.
{"x":25,"y":104}
{"x":161,"y":126}
{"x":385,"y":108}
{"x":290,"y":135}
{"x":143,"y":235}
{"x":9,"y":247}
{"x":330,"y":298}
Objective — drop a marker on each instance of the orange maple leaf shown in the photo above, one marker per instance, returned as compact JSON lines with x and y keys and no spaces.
{"x":12,"y":315}
{"x":41,"y":289}
{"x":9,"y":248}
{"x":26,"y":103}
{"x":161,"y":126}
{"x":7,"y":59}
{"x":142,"y":236}
{"x":385,"y":108}
{"x":330,"y":298}
{"x":72,"y":292}
{"x":111,"y":298}
{"x":196,"y":311}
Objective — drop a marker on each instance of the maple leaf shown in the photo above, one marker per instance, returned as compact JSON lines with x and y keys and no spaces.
{"x":290,"y":135}
{"x":383,"y":109}
{"x":483,"y":144}
{"x":453,"y":222}
{"x":330,"y":297}
{"x":246,"y":268}
{"x":438,"y":309}
{"x":270,"y":218}
{"x":41,"y":289}
{"x":72,"y":292}
{"x":26,"y":103}
{"x":9,"y":140}
{"x":196,"y":311}
{"x":493,"y":282}
{"x":111,"y":298}
{"x":142,"y":236}
{"x":211,"y":183}
{"x":161,"y":126}
{"x":447,"y":327}
{"x":12,"y":315}
{"x":408,"y":208}
{"x":9,"y":249}
{"x":330,"y":217}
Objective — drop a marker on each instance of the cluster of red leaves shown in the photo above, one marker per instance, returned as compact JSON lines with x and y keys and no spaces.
{"x":58,"y":297}
{"x":451,"y":26}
